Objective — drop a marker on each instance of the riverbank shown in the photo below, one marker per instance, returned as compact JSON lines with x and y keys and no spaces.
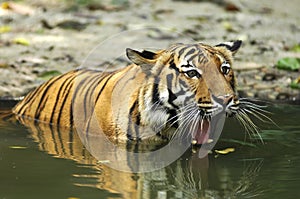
{"x":40,"y":39}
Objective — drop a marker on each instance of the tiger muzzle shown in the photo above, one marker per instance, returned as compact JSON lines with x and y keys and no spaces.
{"x":208,"y":113}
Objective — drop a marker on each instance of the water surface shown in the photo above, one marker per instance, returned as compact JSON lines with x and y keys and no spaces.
{"x":43,"y":162}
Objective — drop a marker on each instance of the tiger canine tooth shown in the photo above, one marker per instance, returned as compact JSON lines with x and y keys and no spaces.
{"x":194,"y":142}
{"x":209,"y":141}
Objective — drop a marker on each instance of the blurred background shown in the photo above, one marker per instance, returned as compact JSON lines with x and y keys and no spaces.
{"x":40,"y":39}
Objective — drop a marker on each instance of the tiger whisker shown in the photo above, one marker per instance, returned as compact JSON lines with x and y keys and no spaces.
{"x":258,"y":115}
{"x":256,"y":107}
{"x":178,"y":115}
{"x":244,"y":124}
{"x":245,"y":109}
{"x":155,"y":104}
{"x":185,"y":122}
{"x":248,"y":123}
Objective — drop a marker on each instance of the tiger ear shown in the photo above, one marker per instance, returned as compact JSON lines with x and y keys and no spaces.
{"x":233,"y":46}
{"x":145,"y":59}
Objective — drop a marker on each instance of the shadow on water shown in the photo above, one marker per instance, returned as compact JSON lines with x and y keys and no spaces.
{"x":44,"y":161}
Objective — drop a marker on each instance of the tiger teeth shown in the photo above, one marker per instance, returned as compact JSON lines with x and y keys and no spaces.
{"x":209,"y":141}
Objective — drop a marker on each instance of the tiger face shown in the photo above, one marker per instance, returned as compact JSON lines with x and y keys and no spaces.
{"x":190,"y":85}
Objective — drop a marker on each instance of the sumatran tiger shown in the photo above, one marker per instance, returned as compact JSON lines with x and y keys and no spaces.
{"x":182,"y":86}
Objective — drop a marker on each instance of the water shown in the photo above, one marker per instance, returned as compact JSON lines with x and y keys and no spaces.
{"x":42,"y":162}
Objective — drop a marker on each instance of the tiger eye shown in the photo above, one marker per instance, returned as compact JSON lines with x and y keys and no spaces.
{"x":192,"y":73}
{"x":225,"y":68}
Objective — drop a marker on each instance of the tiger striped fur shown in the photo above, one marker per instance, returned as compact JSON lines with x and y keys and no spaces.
{"x":182,"y":86}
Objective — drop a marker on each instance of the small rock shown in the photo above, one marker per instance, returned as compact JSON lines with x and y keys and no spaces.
{"x":283,"y":96}
{"x":269,"y":77}
{"x":231,"y":7}
{"x":4,"y":64}
{"x":71,"y":24}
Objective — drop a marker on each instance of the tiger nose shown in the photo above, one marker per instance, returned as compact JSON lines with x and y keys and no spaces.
{"x":223,"y":99}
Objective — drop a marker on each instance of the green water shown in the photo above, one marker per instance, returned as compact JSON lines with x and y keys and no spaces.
{"x":41,"y":163}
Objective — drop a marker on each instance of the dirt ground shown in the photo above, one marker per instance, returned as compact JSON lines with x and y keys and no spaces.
{"x":40,"y":39}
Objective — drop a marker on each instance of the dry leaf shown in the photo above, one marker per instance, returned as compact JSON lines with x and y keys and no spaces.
{"x":21,"y":41}
{"x":4,"y":29}
{"x":225,"y":151}
{"x":17,"y":147}
{"x":17,"y":8}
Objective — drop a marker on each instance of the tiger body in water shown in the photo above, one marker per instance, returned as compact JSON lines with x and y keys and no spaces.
{"x":181,"y":87}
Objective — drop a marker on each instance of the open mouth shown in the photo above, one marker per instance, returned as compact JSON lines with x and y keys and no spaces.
{"x":202,"y":133}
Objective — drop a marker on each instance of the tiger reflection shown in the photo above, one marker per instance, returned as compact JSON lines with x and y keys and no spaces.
{"x":187,"y":177}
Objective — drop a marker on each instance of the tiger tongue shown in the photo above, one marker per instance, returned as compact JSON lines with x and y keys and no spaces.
{"x":202,"y":134}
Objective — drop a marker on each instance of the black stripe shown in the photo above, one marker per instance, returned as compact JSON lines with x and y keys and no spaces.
{"x":64,"y":100}
{"x":132,"y":160}
{"x":202,"y":59}
{"x":87,"y":127}
{"x":130,"y":79}
{"x":190,"y":52}
{"x":28,"y":99}
{"x":94,"y":81}
{"x":97,"y":98}
{"x":67,"y":90}
{"x":60,"y":90}
{"x":61,"y":108}
{"x":173,"y":66}
{"x":169,"y":81}
{"x":172,"y":96}
{"x":181,"y":92}
{"x":39,"y":134}
{"x":45,"y":92}
{"x":173,"y":118}
{"x":42,"y":89}
{"x":71,"y":115}
{"x":181,"y":51}
{"x":171,"y":99}
{"x":137,"y":125}
{"x":69,"y":85}
{"x":79,"y":87}
{"x":104,"y":85}
{"x":71,"y":138}
{"x":188,"y":98}
{"x":135,"y":107}
{"x":235,"y":45}
{"x":183,"y":83}
{"x":61,"y":140}
{"x":40,"y":108}
{"x":130,"y":121}
{"x":53,"y":138}
{"x":147,"y":54}
{"x":155,"y":94}
{"x":195,"y":55}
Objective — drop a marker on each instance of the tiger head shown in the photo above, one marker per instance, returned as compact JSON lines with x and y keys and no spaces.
{"x":188,"y":85}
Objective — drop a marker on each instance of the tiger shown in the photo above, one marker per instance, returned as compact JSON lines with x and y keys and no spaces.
{"x":180,"y":87}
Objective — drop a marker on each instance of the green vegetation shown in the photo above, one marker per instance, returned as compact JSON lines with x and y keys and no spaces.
{"x":289,"y":63}
{"x":296,"y":84}
{"x":296,"y":48}
{"x":48,"y":74}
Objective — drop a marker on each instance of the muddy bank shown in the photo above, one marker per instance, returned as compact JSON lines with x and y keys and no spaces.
{"x":40,"y":39}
